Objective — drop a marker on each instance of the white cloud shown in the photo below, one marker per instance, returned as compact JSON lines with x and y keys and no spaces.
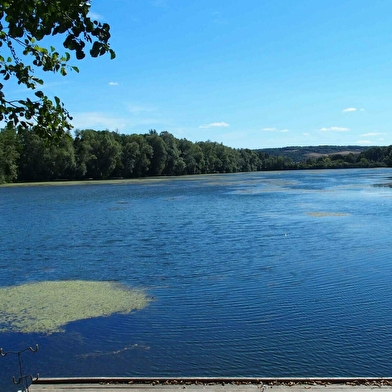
{"x":306,"y":134}
{"x":335,"y":129}
{"x":370,"y":134}
{"x":215,"y":124}
{"x":272,"y":129}
{"x":113,"y":84}
{"x":350,"y":110}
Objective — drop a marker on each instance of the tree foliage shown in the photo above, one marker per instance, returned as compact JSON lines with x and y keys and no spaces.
{"x":301,"y":153}
{"x":24,"y":156}
{"x":9,"y":155}
{"x":25,"y":27}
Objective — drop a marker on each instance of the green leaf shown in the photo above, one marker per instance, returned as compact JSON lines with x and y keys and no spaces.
{"x":80,"y":54}
{"x":37,"y":80}
{"x":29,"y":22}
{"x":95,"y":49}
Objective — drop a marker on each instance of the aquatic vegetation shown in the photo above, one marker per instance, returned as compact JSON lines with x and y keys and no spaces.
{"x":46,"y":307}
{"x":135,"y":346}
{"x":386,"y":185}
{"x":324,"y":214}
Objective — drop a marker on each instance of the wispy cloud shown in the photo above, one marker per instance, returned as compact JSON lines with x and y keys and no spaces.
{"x":95,"y":16}
{"x":348,"y":110}
{"x":113,"y":84}
{"x":101,"y":120}
{"x":272,"y":129}
{"x":335,"y":129}
{"x":371,"y":134}
{"x":215,"y":124}
{"x":85,"y":120}
{"x":137,"y":109}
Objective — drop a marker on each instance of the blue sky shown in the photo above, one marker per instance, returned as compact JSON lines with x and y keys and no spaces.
{"x":249,"y":73}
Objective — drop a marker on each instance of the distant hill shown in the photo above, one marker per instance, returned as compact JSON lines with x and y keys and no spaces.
{"x":299,"y":154}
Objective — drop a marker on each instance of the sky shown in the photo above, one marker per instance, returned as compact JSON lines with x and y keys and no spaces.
{"x":248,"y":74}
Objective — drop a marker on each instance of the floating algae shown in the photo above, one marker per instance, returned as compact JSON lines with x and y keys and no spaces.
{"x":324,"y":214}
{"x":45,"y":307}
{"x":115,"y":352}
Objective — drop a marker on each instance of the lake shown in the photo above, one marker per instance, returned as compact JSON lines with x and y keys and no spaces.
{"x":274,"y":274}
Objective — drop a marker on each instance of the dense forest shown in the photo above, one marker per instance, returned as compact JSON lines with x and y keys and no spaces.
{"x":90,"y":154}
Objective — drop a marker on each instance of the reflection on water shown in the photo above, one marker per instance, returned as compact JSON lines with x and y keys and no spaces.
{"x":246,"y":279}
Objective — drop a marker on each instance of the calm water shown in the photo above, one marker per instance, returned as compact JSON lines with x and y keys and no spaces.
{"x":261,"y":274}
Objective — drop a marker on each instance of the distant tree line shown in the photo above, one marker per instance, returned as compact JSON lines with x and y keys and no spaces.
{"x":301,"y":153}
{"x":90,"y":154}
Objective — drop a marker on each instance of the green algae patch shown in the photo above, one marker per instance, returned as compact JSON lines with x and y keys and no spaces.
{"x":46,"y":307}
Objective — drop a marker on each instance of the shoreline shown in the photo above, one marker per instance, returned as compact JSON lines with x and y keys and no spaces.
{"x":212,"y":384}
{"x":121,"y":181}
{"x":217,"y":380}
{"x":83,"y":182}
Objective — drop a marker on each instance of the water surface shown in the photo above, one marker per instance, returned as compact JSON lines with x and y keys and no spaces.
{"x":255,"y":274}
